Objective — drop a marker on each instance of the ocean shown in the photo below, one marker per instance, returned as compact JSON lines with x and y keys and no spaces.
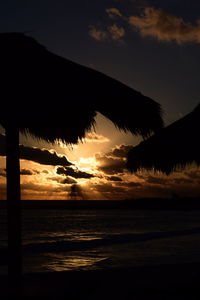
{"x":91,"y":239}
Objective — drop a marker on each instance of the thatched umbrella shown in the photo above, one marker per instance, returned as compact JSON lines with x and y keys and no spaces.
{"x":175,"y":147}
{"x":52,"y":98}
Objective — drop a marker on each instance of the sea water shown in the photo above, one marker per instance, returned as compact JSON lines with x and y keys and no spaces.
{"x":63,"y":240}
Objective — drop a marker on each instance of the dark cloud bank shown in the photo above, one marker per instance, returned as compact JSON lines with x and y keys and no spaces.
{"x":41,"y":156}
{"x":113,"y":162}
{"x":67,"y":171}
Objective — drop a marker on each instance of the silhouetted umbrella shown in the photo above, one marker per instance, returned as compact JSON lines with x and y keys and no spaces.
{"x":175,"y":147}
{"x":52,"y":98}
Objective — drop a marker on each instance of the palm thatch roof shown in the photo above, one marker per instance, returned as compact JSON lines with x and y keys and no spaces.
{"x":53,"y":98}
{"x":175,"y":147}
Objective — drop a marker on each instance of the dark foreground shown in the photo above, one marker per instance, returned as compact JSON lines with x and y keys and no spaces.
{"x":157,"y":282}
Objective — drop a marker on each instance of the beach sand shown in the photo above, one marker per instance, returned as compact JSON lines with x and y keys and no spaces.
{"x":178,"y":281}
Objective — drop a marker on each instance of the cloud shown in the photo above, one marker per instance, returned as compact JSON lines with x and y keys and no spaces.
{"x":2,"y":172}
{"x":41,"y":156}
{"x":182,"y":181}
{"x":26,"y":172}
{"x":156,"y":180}
{"x":193,"y":174}
{"x":111,"y":33}
{"x":110,"y":165}
{"x":67,"y":171}
{"x":185,"y":177}
{"x":116,"y":32}
{"x":108,"y":188}
{"x":185,"y":183}
{"x":37,"y":187}
{"x":59,"y":179}
{"x":97,"y":34}
{"x":133,"y":184}
{"x":113,"y":12}
{"x":113,"y":162}
{"x":117,"y":190}
{"x":68,"y":180}
{"x":120,"y":151}
{"x":164,"y":26}
{"x":114,"y":178}
{"x":45,"y":172}
{"x":3,"y":191}
{"x":92,"y":137}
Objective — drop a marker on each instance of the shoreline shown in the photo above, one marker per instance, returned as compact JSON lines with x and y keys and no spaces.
{"x":177,"y":281}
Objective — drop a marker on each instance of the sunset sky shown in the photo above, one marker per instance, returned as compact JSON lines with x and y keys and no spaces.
{"x":152,"y":46}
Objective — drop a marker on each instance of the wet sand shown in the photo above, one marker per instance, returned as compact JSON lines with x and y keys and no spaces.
{"x":181,"y":281}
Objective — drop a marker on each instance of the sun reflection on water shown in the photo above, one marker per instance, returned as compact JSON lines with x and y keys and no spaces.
{"x":61,"y":262}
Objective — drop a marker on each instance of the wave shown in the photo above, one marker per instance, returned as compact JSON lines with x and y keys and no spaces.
{"x":109,"y":240}
{"x":63,"y":246}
